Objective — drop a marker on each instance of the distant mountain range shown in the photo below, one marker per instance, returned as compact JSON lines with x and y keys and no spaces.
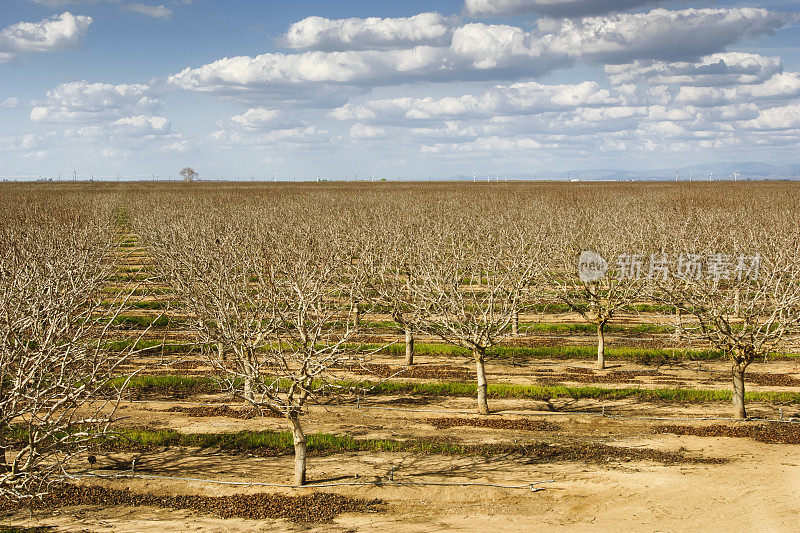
{"x":744,"y":171}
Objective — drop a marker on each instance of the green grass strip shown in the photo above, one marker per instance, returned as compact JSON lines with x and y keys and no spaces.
{"x":281,"y":441}
{"x":191,"y":384}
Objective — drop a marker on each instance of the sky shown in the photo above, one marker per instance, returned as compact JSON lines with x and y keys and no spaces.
{"x":356,"y":89}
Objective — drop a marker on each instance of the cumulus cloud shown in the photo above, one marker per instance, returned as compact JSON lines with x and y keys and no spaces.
{"x":258,"y":118}
{"x":660,"y":34}
{"x":551,"y":8}
{"x":480,"y":51}
{"x":485,"y":145}
{"x":81,"y":101}
{"x":178,"y":147}
{"x":318,"y":33}
{"x":156,"y":12}
{"x":779,"y":87}
{"x":262,"y":126}
{"x":775,"y":118}
{"x":368,"y":67}
{"x":14,"y":143}
{"x":728,"y":68}
{"x":364,"y":131}
{"x":299,"y":136}
{"x":61,"y":32}
{"x":141,"y":126}
{"x":10,"y":102}
{"x":137,"y":130}
{"x":518,"y":98}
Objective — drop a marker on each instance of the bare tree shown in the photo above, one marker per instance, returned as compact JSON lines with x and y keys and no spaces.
{"x":276,"y":296}
{"x":55,"y":373}
{"x":598,"y":270}
{"x":391,"y":280}
{"x":467,"y":289}
{"x":188,"y":174}
{"x":745,"y":304}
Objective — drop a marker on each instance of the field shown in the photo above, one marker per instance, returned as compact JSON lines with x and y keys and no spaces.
{"x":240,"y":326}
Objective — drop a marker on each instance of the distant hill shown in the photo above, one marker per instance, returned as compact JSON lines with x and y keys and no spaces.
{"x":748,"y":170}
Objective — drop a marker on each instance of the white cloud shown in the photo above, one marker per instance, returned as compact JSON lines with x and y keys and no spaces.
{"x":551,"y":8}
{"x":36,"y":154}
{"x":318,"y":33}
{"x":363,"y":131}
{"x":10,"y":102}
{"x":141,"y":126}
{"x":518,"y":98}
{"x":480,"y":51}
{"x":299,"y":135}
{"x":61,"y":32}
{"x":485,"y":145}
{"x":157,"y":12}
{"x":659,"y":34}
{"x":178,"y":147}
{"x":776,"y":118}
{"x":258,"y":118}
{"x":9,"y":143}
{"x":452,"y":129}
{"x":81,"y":101}
{"x":779,"y":87}
{"x":727,"y":68}
{"x":367,"y":67}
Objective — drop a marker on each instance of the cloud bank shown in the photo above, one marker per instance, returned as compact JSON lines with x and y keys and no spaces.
{"x":62,"y":32}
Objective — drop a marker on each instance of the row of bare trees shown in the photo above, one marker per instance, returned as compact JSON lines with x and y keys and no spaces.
{"x":56,"y":398}
{"x":279,"y":282}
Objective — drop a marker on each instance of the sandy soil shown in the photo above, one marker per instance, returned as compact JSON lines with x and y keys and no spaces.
{"x":757,"y":488}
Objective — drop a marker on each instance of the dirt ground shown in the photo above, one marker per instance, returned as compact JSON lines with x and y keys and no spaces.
{"x":756,"y":488}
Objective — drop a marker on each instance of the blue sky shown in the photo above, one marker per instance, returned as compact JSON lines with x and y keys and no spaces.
{"x":394,"y":89}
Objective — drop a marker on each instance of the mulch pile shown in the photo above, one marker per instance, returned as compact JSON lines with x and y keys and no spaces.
{"x":188,"y":365}
{"x":493,"y":423}
{"x":757,"y":378}
{"x":589,"y":453}
{"x":773,"y":433}
{"x":587,"y":375}
{"x":578,"y":370}
{"x":206,"y":411}
{"x":419,"y":372}
{"x":317,"y":507}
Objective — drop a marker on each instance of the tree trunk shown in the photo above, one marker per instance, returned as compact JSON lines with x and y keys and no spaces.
{"x":738,"y":392}
{"x":601,"y":346}
{"x":221,"y":352}
{"x":2,"y":460}
{"x":483,"y":406}
{"x":356,"y":315}
{"x":515,"y":323}
{"x":409,"y":346}
{"x":299,"y":450}
{"x":248,"y":389}
{"x":737,"y":302}
{"x":678,"y":323}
